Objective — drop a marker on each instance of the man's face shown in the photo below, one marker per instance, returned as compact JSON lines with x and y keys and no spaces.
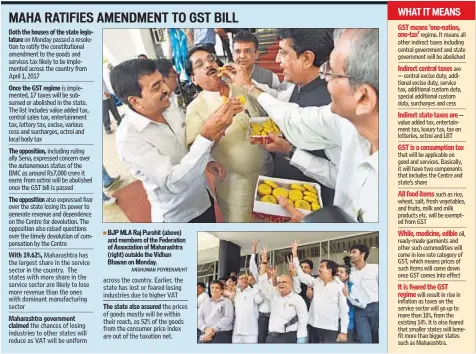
{"x":230,"y":283}
{"x":243,"y":281}
{"x":324,"y":273}
{"x":216,"y":291}
{"x":204,"y":71}
{"x":155,"y":95}
{"x":171,"y":80}
{"x":245,"y":53}
{"x":342,"y":274}
{"x":200,"y":290}
{"x":290,"y":62}
{"x":306,"y":268}
{"x":284,"y":285}
{"x":356,"y":256}
{"x":344,"y":99}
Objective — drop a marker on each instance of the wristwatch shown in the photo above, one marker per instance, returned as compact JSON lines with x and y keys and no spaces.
{"x":290,"y":154}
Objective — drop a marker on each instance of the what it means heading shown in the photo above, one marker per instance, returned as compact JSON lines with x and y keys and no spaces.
{"x":122,"y":17}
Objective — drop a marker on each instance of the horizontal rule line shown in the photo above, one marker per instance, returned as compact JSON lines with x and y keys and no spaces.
{"x":53,"y":144}
{"x":428,"y":280}
{"x":428,"y":141}
{"x":146,"y":300}
{"x":433,"y":109}
{"x":53,"y":193}
{"x":50,"y":312}
{"x":431,"y":62}
{"x":432,"y":187}
{"x":432,"y":227}
{"x":46,"y":248}
{"x":47,"y":81}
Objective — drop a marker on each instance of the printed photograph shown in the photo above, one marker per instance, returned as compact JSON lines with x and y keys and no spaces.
{"x":288,"y":287}
{"x":240,"y":125}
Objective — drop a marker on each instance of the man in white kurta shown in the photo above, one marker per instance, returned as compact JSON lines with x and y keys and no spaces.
{"x":243,"y":161}
{"x":247,"y":299}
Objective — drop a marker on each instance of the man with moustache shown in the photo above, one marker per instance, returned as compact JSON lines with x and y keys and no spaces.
{"x":328,"y":305}
{"x":288,"y":317}
{"x":246,"y":300}
{"x":243,"y":161}
{"x":301,"y":52}
{"x":152,"y":144}
{"x":350,"y":122}
{"x":245,"y":52}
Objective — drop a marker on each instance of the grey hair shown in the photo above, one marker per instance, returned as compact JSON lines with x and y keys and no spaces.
{"x":362,"y":63}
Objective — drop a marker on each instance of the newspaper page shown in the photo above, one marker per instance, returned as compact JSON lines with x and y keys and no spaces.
{"x":242,"y":160}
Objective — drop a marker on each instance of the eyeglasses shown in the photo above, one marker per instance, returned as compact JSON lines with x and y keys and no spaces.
{"x":325,"y":70}
{"x":200,"y":63}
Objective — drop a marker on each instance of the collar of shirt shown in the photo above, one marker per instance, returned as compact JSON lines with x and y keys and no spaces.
{"x":139,"y":121}
{"x":239,"y":290}
{"x":371,"y":160}
{"x":313,"y":85}
{"x":222,"y":298}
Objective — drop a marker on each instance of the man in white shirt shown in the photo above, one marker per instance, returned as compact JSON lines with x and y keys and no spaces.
{"x":246,"y":302}
{"x":152,"y":144}
{"x":349,"y":122}
{"x":364,"y":294}
{"x":264,"y":308}
{"x":201,"y":293}
{"x":328,"y":303}
{"x":288,"y":319}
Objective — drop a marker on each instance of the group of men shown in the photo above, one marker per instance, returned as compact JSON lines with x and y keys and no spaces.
{"x":326,"y":108}
{"x":339,"y":305}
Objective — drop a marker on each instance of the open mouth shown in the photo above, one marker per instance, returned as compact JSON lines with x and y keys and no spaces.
{"x":211,"y":72}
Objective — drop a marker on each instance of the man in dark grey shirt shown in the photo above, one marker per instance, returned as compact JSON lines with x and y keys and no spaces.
{"x":301,"y":52}
{"x":245,"y":52}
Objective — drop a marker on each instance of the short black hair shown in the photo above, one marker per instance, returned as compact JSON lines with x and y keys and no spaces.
{"x":347,"y":268}
{"x":201,"y":284}
{"x":330,"y":265}
{"x":142,"y":55}
{"x":199,"y":47}
{"x":308,"y":262}
{"x":245,"y":36}
{"x":125,"y":77}
{"x":362,"y":249}
{"x":232,"y":277}
{"x":319,"y":41}
{"x":217,"y":282}
{"x":164,"y":65}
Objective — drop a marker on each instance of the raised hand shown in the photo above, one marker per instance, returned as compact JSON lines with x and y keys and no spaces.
{"x":294,"y":248}
{"x":254,"y":246}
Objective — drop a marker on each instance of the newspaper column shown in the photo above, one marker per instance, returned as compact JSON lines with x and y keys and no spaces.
{"x":431,"y":53}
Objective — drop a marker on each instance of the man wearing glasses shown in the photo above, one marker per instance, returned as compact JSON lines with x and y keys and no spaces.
{"x":349,"y":122}
{"x":245,"y":52}
{"x":152,"y":144}
{"x":301,"y":52}
{"x":243,"y":161}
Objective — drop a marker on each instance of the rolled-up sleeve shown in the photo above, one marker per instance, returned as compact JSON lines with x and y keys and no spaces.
{"x":142,"y":156}
{"x":317,"y":168}
{"x":308,"y":128}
